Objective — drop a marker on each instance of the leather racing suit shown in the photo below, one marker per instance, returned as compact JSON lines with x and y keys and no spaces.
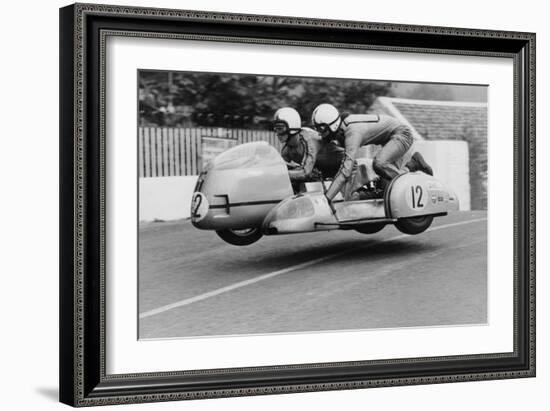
{"x":358,"y":130}
{"x":311,"y":155}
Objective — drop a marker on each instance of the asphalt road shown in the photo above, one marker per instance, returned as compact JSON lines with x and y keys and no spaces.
{"x":191,"y":283}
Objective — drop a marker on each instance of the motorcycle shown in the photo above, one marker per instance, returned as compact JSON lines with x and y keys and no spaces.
{"x":245,"y":193}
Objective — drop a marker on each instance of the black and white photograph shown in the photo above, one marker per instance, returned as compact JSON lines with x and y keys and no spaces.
{"x":262,"y":206}
{"x":258,"y":204}
{"x":273,"y":204}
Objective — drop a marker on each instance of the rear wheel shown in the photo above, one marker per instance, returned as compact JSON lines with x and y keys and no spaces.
{"x":246,"y":236}
{"x":414,"y":225}
{"x":370,"y":228}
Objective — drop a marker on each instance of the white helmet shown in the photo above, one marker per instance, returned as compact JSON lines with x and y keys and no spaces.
{"x":286,"y":121}
{"x":326,"y":117}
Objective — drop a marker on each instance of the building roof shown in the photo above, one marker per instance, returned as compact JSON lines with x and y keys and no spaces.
{"x":437,"y":120}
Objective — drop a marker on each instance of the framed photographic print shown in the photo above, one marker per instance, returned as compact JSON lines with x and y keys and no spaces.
{"x":261,"y":204}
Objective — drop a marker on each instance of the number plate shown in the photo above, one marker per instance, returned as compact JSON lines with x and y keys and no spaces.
{"x":417,"y":197}
{"x":199,"y":207}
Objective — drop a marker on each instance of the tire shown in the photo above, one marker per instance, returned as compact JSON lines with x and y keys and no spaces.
{"x":240,"y":237}
{"x":370,"y":228}
{"x":414,"y":225}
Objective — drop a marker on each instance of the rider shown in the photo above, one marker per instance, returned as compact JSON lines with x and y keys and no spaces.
{"x":357,"y":130}
{"x":308,"y":157}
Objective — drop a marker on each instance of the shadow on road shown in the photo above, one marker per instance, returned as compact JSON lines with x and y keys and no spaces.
{"x":358,"y":251}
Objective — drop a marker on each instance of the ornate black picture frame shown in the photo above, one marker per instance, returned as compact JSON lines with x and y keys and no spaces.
{"x":83,"y":31}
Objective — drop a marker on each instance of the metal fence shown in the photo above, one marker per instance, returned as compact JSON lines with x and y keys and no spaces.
{"x":179,"y":151}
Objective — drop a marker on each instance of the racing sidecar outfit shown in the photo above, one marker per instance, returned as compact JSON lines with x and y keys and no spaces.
{"x":358,"y":130}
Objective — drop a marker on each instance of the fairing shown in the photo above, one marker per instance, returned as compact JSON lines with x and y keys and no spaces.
{"x":239,"y":187}
{"x":416,"y":194}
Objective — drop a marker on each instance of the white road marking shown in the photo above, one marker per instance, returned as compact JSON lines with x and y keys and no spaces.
{"x":254,"y":280}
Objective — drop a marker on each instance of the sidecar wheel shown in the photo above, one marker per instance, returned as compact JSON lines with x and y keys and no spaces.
{"x":240,"y":237}
{"x":414,"y":225}
{"x":369,"y":228}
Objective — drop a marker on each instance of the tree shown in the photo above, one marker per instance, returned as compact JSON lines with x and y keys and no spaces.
{"x":212,"y":98}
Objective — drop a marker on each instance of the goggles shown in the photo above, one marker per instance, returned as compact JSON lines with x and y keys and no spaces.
{"x":324,"y":127}
{"x":280,"y":128}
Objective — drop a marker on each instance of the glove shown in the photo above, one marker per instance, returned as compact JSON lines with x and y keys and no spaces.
{"x":316,"y":175}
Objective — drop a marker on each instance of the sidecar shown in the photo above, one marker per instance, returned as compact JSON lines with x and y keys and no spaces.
{"x":245,"y":193}
{"x":410,"y":202}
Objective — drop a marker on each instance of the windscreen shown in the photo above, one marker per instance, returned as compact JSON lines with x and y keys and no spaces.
{"x":249,"y":155}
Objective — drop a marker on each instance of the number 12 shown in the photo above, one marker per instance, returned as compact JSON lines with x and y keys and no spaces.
{"x":416,"y":202}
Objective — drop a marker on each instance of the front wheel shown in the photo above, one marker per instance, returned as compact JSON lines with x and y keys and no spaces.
{"x":370,"y":228}
{"x":246,"y":236}
{"x":414,"y":225}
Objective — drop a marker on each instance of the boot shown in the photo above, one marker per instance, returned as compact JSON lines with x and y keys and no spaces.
{"x":417,"y":163}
